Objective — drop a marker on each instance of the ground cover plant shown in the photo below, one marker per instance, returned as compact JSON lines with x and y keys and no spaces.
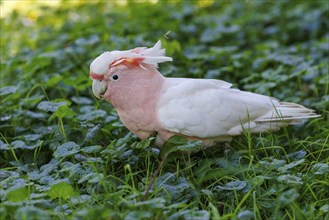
{"x":66,"y":155}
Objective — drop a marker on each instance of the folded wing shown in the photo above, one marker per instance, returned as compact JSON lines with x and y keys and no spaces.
{"x":210,"y":108}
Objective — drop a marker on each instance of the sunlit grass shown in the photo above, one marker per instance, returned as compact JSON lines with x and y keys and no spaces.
{"x":31,"y":8}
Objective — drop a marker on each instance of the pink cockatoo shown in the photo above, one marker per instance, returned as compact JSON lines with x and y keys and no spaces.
{"x":199,"y":109}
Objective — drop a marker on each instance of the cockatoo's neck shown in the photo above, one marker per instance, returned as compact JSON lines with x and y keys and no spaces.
{"x":136,"y":103}
{"x":141,"y":91}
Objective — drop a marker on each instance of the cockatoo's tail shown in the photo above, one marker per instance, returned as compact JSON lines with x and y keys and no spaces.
{"x":203,"y":109}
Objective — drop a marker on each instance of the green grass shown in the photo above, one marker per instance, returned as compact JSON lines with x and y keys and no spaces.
{"x":66,"y":155}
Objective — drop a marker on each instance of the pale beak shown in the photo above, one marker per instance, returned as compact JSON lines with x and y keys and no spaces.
{"x":99,"y":88}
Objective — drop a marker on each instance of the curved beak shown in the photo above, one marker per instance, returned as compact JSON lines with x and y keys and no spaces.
{"x":99,"y":88}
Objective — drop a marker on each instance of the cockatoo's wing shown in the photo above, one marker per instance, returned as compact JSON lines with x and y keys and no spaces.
{"x":209,"y":109}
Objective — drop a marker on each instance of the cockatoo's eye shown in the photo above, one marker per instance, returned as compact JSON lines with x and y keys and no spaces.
{"x":115,"y":77}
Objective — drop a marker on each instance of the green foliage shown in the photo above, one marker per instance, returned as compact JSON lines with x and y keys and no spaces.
{"x":178,"y":143}
{"x":30,"y":212}
{"x":17,"y":195}
{"x":61,"y":190}
{"x":66,"y":155}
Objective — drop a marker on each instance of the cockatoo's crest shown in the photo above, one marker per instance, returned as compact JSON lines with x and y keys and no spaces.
{"x":134,"y":57}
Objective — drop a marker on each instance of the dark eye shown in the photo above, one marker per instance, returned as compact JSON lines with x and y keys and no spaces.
{"x":115,"y":77}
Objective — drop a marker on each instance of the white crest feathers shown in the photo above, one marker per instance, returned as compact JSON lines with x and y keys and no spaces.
{"x":153,"y":56}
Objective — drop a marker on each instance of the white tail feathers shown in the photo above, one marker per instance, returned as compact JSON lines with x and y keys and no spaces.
{"x":280,"y":116}
{"x":288,"y":112}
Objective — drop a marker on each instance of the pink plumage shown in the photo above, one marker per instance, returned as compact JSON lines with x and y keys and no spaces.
{"x":199,"y":109}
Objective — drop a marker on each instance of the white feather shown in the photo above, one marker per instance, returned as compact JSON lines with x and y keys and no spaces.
{"x":153,"y":56}
{"x":211,"y":109}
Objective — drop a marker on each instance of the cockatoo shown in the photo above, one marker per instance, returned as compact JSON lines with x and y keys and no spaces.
{"x":198,"y":109}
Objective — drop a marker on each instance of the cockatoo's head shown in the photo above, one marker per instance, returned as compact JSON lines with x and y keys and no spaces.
{"x":118,"y":68}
